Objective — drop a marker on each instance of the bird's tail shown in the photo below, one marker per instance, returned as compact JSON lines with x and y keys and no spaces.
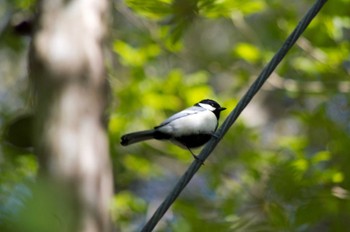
{"x":136,"y":137}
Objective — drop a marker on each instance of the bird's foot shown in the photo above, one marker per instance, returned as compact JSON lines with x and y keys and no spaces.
{"x":214,"y":135}
{"x":196,"y":157}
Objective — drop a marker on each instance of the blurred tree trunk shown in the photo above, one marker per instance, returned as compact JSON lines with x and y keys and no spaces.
{"x":67,"y":70}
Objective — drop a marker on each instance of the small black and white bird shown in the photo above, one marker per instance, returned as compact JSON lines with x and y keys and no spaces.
{"x":190,"y":128}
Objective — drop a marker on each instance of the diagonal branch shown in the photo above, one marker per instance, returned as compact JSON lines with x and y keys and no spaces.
{"x":264,"y":75}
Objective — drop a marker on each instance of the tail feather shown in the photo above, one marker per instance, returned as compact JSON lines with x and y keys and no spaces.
{"x":136,"y":137}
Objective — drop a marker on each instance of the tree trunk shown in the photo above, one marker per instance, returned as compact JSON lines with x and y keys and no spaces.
{"x":67,"y":70}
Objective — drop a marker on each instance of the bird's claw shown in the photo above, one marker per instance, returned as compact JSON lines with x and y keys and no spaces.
{"x":214,"y":135}
{"x":196,"y":157}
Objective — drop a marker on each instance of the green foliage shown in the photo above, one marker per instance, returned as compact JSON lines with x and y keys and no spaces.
{"x":283,"y":168}
{"x":124,"y":208}
{"x":15,"y":175}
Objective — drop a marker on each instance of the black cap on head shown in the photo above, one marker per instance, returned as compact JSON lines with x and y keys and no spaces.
{"x":214,"y":104}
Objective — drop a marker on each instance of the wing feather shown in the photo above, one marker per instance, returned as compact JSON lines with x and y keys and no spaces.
{"x":189,"y":111}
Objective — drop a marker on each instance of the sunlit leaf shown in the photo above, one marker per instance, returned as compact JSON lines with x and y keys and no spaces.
{"x":247,"y":52}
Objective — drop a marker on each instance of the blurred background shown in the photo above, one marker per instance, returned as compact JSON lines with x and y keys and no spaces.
{"x":283,"y":166}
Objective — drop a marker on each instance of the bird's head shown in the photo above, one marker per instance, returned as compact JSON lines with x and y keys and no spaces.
{"x":212,"y":106}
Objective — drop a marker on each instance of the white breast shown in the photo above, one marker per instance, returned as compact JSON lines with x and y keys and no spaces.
{"x":203,"y":122}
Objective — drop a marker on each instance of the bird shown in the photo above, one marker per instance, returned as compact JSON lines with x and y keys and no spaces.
{"x":189,"y":128}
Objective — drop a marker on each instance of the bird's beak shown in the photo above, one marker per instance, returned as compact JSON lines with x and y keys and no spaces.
{"x":222,"y":108}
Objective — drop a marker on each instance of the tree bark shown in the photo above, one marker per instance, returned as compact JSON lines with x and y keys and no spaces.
{"x":66,"y":64}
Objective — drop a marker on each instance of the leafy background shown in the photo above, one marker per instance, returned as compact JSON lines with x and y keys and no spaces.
{"x":284,"y":166}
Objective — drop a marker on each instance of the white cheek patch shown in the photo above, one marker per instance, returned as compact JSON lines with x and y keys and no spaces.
{"x":206,"y":106}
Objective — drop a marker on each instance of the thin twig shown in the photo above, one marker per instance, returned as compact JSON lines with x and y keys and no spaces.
{"x":264,"y":75}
